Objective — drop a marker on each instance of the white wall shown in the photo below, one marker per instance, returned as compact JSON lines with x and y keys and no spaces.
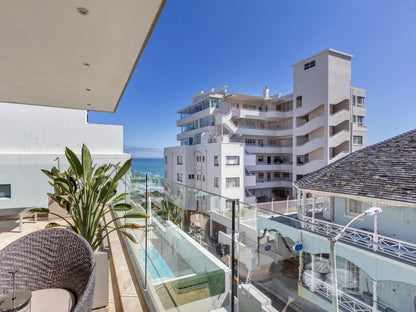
{"x":34,"y":136}
{"x":46,"y":130}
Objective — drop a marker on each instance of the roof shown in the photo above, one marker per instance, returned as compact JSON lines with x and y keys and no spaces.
{"x":333,"y":51}
{"x":72,"y":54}
{"x":386,"y":171}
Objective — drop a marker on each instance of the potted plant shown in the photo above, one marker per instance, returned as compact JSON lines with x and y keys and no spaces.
{"x":87,"y":193}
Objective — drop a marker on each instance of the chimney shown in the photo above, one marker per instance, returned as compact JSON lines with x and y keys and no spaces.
{"x":266,"y":92}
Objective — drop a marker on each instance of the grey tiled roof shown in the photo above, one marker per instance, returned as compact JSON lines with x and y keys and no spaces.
{"x":386,"y":170}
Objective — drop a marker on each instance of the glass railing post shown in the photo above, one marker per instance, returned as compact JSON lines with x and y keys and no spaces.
{"x":232,"y":254}
{"x":145,"y":238}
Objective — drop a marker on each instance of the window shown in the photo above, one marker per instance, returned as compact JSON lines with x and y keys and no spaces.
{"x":260,"y":141}
{"x":5,"y":191}
{"x":179,"y":160}
{"x":286,"y":175}
{"x":215,"y":160}
{"x":276,"y":175}
{"x":232,"y":160}
{"x":354,"y":207}
{"x":198,"y":158}
{"x":203,"y":158}
{"x":298,"y":101}
{"x":359,"y":120}
{"x":260,"y":158}
{"x":166,"y":159}
{"x":191,"y":176}
{"x":309,"y":65}
{"x":216,"y":182}
{"x":203,"y":178}
{"x":357,"y":140}
{"x":299,"y":176}
{"x":179,"y":177}
{"x":232,"y":182}
{"x":261,"y":175}
{"x":198,"y":177}
{"x":250,"y":141}
{"x":360,"y":101}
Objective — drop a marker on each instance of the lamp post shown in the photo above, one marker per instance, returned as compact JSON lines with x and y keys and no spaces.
{"x":373,"y":211}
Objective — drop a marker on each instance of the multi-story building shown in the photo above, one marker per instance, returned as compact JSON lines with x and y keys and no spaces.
{"x":376,"y":253}
{"x":252,"y":148}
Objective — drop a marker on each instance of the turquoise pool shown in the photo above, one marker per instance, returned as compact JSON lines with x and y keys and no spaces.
{"x":157,"y":269}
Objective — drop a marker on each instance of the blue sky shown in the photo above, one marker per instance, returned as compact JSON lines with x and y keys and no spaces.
{"x":246,"y":45}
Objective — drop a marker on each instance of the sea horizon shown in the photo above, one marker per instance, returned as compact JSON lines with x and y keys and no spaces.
{"x":153,"y":166}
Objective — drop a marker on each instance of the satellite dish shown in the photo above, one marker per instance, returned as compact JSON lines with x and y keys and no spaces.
{"x":267,"y":247}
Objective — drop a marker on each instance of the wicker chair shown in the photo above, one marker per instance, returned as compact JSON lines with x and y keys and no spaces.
{"x":51,"y":258}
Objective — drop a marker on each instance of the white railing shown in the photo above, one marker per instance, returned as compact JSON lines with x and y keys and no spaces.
{"x":347,"y":302}
{"x":382,"y":244}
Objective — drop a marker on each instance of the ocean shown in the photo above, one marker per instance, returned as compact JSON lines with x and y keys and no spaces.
{"x":152,"y":166}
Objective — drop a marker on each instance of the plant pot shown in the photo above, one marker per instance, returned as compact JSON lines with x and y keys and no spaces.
{"x":102,"y":271}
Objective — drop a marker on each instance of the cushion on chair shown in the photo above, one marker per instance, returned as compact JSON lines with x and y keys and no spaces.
{"x":52,"y":299}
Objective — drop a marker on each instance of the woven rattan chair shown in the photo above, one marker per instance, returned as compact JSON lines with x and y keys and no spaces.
{"x":51,"y":258}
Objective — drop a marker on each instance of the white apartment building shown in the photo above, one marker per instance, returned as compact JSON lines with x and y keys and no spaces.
{"x":252,"y":148}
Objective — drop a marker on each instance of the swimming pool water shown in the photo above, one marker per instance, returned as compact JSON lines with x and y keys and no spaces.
{"x":157,"y":269}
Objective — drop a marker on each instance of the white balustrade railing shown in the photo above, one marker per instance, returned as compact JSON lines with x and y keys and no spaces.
{"x":346,"y":301}
{"x":382,"y":244}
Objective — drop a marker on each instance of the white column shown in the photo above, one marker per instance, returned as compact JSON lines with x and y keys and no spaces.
{"x":374,"y":296}
{"x":375,"y":235}
{"x":313,"y":212}
{"x":313,"y":273}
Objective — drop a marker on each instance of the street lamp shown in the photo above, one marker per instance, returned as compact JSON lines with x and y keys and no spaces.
{"x":373,"y":211}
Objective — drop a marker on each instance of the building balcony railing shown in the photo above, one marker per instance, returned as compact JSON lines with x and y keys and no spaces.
{"x":346,"y":301}
{"x":379,"y":243}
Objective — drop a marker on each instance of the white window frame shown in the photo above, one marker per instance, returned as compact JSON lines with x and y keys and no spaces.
{"x":8,"y":193}
{"x":232,"y":182}
{"x":216,"y":182}
{"x":232,"y":160}
{"x":179,"y":160}
{"x":353,"y":207}
{"x":179,"y":177}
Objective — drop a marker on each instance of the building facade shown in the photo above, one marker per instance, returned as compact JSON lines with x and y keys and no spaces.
{"x":252,"y":148}
{"x":35,"y":137}
{"x":376,"y":255}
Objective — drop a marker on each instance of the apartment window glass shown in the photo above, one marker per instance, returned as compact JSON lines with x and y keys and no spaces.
{"x":232,"y":182}
{"x":260,"y":141}
{"x":179,"y":160}
{"x":354,"y":207}
{"x":260,"y":158}
{"x":286,"y":175}
{"x":360,"y":101}
{"x":216,"y":182}
{"x":232,"y":160}
{"x":198,"y":177}
{"x":191,"y":176}
{"x":261,"y":175}
{"x":216,"y":161}
{"x":179,"y":177}
{"x":276,"y":175}
{"x":5,"y":191}
{"x":203,"y":178}
{"x":298,"y":101}
{"x":357,"y":140}
{"x":360,"y":120}
{"x":166,"y":159}
{"x":250,"y":141}
{"x":198,"y":158}
{"x":309,"y":65}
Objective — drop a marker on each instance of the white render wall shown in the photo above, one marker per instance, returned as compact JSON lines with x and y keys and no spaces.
{"x":34,"y":136}
{"x":205,"y":168}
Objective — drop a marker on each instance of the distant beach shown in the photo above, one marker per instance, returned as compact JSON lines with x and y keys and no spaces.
{"x":152,"y":166}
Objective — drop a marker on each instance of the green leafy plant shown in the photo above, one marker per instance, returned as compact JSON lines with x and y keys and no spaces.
{"x":170,"y":212}
{"x":87,"y":193}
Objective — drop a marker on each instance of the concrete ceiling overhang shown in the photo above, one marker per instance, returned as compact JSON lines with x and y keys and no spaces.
{"x":72,"y":53}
